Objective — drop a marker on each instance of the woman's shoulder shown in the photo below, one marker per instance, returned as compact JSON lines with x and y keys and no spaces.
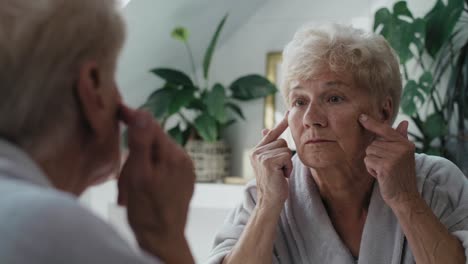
{"x":441,"y":183}
{"x":438,"y":170}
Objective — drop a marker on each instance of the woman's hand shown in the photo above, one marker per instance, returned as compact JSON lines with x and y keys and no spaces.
{"x":156,"y":185}
{"x":390,"y":159}
{"x":271,"y":160}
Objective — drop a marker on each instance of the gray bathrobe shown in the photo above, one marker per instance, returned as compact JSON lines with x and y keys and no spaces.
{"x":306,"y":235}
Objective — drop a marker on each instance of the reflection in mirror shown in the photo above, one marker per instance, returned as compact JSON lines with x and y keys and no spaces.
{"x":275,"y":105}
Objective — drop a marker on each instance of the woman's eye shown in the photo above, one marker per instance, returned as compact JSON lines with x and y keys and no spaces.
{"x":299,"y":102}
{"x":335,"y":99}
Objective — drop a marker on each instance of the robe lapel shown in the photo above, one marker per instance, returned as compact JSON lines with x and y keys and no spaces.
{"x":382,"y":238}
{"x":310,"y":227}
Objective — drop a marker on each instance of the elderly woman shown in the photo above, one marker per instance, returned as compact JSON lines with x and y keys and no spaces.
{"x":355,"y":192}
{"x":59,"y":133}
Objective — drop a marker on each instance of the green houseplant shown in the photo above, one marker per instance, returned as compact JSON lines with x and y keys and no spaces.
{"x":435,"y":94}
{"x":210,"y":107}
{"x":201,"y":110}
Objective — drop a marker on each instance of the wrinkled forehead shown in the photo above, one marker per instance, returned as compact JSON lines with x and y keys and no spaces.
{"x":326,"y":79}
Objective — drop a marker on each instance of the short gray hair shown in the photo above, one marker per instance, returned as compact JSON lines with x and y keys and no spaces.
{"x":42,"y":44}
{"x":367,"y":56}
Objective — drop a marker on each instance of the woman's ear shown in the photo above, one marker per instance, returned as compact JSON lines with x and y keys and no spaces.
{"x":386,"y":110}
{"x":90,"y":95}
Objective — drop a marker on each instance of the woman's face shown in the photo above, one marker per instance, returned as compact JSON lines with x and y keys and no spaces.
{"x":324,"y":122}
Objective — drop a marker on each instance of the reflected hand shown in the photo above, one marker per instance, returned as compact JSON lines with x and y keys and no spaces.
{"x":156,"y":184}
{"x":390,"y":159}
{"x":271,"y":161}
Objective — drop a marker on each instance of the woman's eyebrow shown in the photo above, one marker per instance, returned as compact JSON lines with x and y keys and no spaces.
{"x":335,"y":83}
{"x":296,"y":87}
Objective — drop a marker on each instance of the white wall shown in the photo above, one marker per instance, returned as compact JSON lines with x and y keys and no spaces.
{"x":149,"y":44}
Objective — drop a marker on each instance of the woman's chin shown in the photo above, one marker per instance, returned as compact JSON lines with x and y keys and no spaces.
{"x":320,"y":159}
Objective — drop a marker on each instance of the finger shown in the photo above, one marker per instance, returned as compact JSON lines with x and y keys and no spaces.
{"x":146,"y":138}
{"x":265,"y":131}
{"x":380,"y":129}
{"x":280,"y":160}
{"x":279,"y":143}
{"x":275,"y":152}
{"x":288,"y":168}
{"x":402,"y":128}
{"x":372,"y":163}
{"x":392,"y":149}
{"x":375,"y":151}
{"x":274,"y":133}
{"x":138,"y":123}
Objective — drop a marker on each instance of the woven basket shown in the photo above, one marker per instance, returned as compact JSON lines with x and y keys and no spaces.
{"x":211,"y":160}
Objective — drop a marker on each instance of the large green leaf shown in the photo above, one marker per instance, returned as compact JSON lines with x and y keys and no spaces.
{"x":252,"y":87}
{"x":228,"y":123}
{"x":440,"y":23}
{"x":382,"y":17}
{"x":399,"y":33}
{"x":410,"y":96}
{"x":197,"y":104}
{"x":206,"y":127}
{"x":159,"y":101}
{"x":182,"y":98}
{"x":173,"y":76}
{"x":435,"y":126}
{"x":419,"y":27}
{"x":426,"y":82}
{"x":236,"y":109}
{"x":215,"y":101}
{"x":401,"y":9}
{"x":209,"y":52}
{"x":400,"y":30}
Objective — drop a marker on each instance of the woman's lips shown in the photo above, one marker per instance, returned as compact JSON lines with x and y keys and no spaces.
{"x":318,"y":141}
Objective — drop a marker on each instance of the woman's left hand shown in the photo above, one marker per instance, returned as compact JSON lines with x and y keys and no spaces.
{"x":390,"y":159}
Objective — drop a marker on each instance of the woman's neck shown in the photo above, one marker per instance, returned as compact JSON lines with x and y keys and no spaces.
{"x":64,"y":168}
{"x":344,"y":191}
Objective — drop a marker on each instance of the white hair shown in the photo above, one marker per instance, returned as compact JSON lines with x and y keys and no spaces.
{"x":42,"y":44}
{"x":337,"y":48}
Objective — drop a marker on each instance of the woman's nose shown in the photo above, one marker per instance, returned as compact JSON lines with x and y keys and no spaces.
{"x":315,"y":116}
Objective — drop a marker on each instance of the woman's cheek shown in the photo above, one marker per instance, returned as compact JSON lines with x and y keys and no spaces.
{"x":295,"y":124}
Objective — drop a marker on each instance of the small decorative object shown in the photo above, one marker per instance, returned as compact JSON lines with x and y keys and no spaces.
{"x":200,"y":111}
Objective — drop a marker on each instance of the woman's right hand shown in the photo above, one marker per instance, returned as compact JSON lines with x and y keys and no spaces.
{"x":271,"y":161}
{"x":156,"y":184}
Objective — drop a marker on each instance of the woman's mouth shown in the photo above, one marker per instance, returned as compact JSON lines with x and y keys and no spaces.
{"x":318,"y":141}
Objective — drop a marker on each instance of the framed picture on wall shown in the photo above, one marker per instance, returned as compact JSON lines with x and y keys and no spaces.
{"x":275,"y":106}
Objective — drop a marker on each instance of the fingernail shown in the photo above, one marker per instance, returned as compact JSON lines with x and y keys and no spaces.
{"x":363,"y":117}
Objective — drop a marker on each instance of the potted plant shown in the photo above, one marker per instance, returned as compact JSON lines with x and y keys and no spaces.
{"x":201,"y":111}
{"x":435,"y":94}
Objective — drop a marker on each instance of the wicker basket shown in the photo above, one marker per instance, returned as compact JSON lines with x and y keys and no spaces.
{"x":211,"y":160}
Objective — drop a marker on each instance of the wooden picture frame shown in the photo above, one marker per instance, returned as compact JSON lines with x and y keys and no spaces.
{"x":273,"y":64}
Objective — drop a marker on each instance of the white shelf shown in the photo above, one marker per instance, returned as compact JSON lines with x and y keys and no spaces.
{"x":211,"y":202}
